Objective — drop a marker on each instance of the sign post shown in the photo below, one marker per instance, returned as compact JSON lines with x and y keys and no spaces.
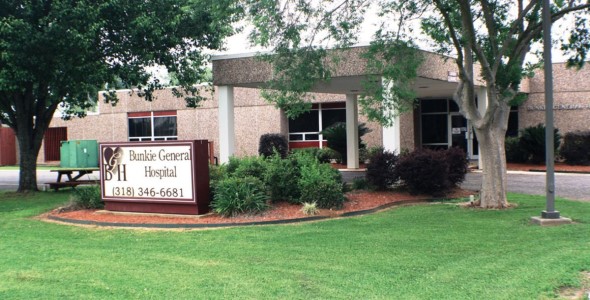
{"x":155,"y":177}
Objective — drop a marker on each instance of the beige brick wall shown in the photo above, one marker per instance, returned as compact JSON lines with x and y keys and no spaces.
{"x":571,"y":90}
{"x":253,"y":117}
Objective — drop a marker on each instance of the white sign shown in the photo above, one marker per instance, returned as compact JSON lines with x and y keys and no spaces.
{"x":158,"y":172}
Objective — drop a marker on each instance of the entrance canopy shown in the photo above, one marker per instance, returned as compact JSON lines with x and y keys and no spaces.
{"x":437,"y":78}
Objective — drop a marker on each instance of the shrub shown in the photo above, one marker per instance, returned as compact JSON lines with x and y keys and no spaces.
{"x":514,"y":153}
{"x":425,"y":171}
{"x":335,"y":134}
{"x":374,"y":150}
{"x":216,"y":173}
{"x":360,"y":183}
{"x":238,"y":195}
{"x":458,"y":165}
{"x":271,"y":143}
{"x":532,"y":140}
{"x":232,"y":164}
{"x":381,"y":169}
{"x":322,"y":184}
{"x":323,"y":155}
{"x":310,"y":209}
{"x":576,"y":148}
{"x":282,"y":179}
{"x":88,"y":197}
{"x":247,"y":166}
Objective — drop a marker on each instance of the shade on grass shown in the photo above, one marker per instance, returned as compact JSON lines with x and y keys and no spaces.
{"x":436,"y":251}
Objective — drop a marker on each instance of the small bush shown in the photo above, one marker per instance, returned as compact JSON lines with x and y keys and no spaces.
{"x":271,"y":143}
{"x":360,"y":183}
{"x":514,"y":153}
{"x":335,"y":134}
{"x":381,"y":169}
{"x":310,"y":209}
{"x":323,"y":155}
{"x":235,"y":196}
{"x":322,"y":184}
{"x":576,"y":148}
{"x":532,"y":140}
{"x":458,"y":165}
{"x":282,"y":179}
{"x":88,"y":197}
{"x":217,"y":173}
{"x":425,"y":171}
{"x":370,"y":152}
{"x":247,"y":166}
{"x":232,"y":164}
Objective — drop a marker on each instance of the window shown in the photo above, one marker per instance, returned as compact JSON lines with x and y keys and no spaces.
{"x":152,"y":126}
{"x":434,"y":119}
{"x":307,"y":126}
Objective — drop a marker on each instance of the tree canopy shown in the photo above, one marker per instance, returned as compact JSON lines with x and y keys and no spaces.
{"x":62,"y":52}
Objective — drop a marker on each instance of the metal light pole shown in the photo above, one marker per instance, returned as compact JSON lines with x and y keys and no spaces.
{"x":550,"y":212}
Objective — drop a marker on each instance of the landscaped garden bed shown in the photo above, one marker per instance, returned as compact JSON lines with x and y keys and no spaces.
{"x":357,"y":201}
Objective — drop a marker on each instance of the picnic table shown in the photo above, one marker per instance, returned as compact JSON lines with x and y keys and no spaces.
{"x":74,"y":177}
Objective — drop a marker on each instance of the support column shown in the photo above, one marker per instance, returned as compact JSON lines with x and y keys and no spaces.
{"x":482,"y":105}
{"x":392,"y":134}
{"x":227,"y":134}
{"x":352,"y":132}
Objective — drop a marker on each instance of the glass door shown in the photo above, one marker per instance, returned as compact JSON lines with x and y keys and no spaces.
{"x":461,"y":135}
{"x":458,"y":132}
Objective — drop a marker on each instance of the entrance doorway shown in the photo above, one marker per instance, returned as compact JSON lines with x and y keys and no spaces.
{"x":442,"y":127}
{"x":462,"y":136}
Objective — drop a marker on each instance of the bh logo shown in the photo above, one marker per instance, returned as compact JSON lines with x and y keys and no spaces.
{"x":112,"y":159}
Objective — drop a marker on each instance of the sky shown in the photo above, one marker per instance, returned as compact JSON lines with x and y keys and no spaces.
{"x":239,"y":44}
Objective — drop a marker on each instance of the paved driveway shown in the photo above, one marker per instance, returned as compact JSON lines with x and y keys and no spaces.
{"x":567,"y":185}
{"x":9,"y":178}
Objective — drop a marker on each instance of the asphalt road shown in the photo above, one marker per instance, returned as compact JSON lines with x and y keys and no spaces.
{"x":567,"y":185}
{"x":9,"y":178}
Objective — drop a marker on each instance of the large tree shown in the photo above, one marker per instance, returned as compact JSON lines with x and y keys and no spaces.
{"x":494,"y":36}
{"x":60,"y":53}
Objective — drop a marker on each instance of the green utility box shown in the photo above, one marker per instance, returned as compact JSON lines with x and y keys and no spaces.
{"x":79,"y":154}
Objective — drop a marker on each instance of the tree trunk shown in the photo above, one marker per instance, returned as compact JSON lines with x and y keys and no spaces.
{"x":493,"y":158}
{"x":28,"y":151}
{"x":32,"y":118}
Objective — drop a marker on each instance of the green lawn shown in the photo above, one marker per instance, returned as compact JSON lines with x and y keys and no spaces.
{"x":437,"y":251}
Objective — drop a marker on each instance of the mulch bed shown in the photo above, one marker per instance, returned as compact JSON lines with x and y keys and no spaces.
{"x":358,"y":201}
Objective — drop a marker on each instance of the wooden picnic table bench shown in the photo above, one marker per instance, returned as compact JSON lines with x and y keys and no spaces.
{"x":73,"y":177}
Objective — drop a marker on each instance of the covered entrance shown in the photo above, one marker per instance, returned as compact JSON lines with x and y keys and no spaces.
{"x":437,"y":80}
